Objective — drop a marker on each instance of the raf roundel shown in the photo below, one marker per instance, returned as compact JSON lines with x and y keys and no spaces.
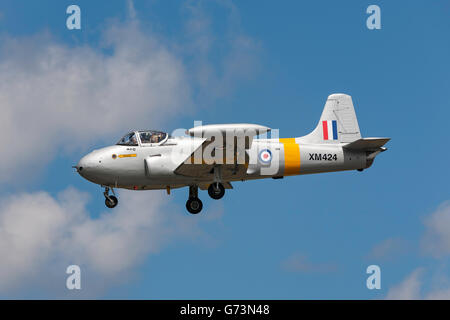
{"x":265,"y":156}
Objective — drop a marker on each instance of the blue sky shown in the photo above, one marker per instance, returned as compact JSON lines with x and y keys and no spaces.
{"x":273,"y":64}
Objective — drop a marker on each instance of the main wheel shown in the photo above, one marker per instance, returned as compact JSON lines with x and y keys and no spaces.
{"x":194,"y":205}
{"x":111,"y":202}
{"x":216,"y":190}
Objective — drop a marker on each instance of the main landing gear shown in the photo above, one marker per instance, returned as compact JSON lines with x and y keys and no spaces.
{"x":110,"y":201}
{"x":216,"y":190}
{"x":194,"y":205}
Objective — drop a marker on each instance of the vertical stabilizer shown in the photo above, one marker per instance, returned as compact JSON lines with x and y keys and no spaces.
{"x":338,"y":123}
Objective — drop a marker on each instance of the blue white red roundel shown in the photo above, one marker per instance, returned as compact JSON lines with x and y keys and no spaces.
{"x":265,"y":156}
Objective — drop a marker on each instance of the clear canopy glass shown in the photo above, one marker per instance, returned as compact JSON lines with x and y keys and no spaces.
{"x":152,"y":136}
{"x":128,"y":140}
{"x":147,"y":137}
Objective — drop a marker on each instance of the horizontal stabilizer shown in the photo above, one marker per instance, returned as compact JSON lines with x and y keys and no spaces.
{"x":367,"y":144}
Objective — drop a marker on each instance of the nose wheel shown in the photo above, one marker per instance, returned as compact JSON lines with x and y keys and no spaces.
{"x":194,"y":205}
{"x":110,"y":201}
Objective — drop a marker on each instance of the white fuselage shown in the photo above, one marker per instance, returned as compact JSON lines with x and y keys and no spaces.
{"x":153,"y":166}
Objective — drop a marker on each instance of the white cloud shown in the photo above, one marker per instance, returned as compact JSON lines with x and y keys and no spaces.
{"x":436,"y":240}
{"x":55,"y":97}
{"x":131,"y":10}
{"x":390,"y":248}
{"x":413,"y":288}
{"x":443,"y":294}
{"x":238,"y":53}
{"x":408,"y":289}
{"x":41,"y":235}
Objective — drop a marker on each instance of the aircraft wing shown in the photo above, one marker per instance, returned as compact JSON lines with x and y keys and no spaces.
{"x":228,"y":140}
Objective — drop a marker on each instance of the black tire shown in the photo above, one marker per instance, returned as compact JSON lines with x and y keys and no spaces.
{"x":111,"y":202}
{"x":216,"y":191}
{"x":194,"y":205}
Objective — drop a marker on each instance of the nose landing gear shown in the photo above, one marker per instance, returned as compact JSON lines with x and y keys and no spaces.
{"x":110,"y":201}
{"x":194,"y":205}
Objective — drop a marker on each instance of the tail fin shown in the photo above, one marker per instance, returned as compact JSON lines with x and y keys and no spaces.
{"x":338,"y":123}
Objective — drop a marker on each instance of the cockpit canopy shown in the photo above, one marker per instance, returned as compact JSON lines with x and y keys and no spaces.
{"x":144,"y":137}
{"x":128,"y":140}
{"x":151,"y":136}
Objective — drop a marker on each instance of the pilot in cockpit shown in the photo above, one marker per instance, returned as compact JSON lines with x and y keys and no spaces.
{"x":151,"y":136}
{"x":155,"y":138}
{"x":145,"y":137}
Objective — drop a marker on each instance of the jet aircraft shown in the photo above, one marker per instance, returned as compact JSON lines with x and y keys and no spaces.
{"x":210,"y":157}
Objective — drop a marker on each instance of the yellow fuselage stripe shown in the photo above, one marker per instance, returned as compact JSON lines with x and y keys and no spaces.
{"x":127,"y":155}
{"x":291,"y":156}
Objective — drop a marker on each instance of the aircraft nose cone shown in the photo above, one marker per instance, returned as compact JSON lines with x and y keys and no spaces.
{"x":86,"y":164}
{"x":81,"y":165}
